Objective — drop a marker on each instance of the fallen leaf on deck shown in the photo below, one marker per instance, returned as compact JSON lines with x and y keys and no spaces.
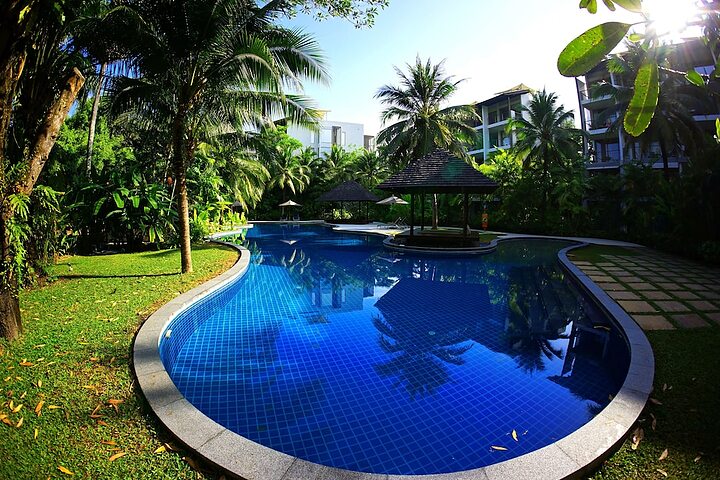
{"x":637,"y":437}
{"x":39,"y":406}
{"x":65,"y":470}
{"x":663,"y":455}
{"x":515,"y":435}
{"x":117,"y":455}
{"x":501,"y":449}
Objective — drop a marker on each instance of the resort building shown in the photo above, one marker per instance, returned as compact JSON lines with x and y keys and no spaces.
{"x":348,"y":135}
{"x":607,"y":146}
{"x":496,"y":112}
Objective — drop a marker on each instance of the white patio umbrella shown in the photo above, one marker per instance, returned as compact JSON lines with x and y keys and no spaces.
{"x":392,"y":200}
{"x":289,"y":203}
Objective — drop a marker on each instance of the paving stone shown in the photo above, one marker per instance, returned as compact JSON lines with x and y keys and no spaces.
{"x":667,"y":285}
{"x":632,"y":279}
{"x":655,"y":295}
{"x":601,"y":278}
{"x":671,"y":306}
{"x":608,"y":287}
{"x":613,"y":269}
{"x":656,"y":279}
{"x":640,"y":286}
{"x":715,"y":317}
{"x":684,"y":295}
{"x":636,"y":306}
{"x":710,"y":295}
{"x":622,"y":274}
{"x":605,"y":264}
{"x":622,"y":295}
{"x":691,"y":320}
{"x":703,"y":305}
{"x":695,"y":286}
{"x":653,"y":322}
{"x":581,"y":262}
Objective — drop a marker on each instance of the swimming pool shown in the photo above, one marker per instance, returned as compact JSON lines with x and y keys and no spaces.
{"x":336,"y":351}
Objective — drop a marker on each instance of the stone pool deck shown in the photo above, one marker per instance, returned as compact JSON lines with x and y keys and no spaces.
{"x":659,"y":291}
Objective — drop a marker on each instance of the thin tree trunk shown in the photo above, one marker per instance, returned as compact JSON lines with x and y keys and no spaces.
{"x":10,"y":320}
{"x":182,"y":197}
{"x":93,"y":120}
{"x":666,"y":163}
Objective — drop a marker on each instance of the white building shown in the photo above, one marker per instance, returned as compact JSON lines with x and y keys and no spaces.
{"x":350,"y":136}
{"x":496,"y":112}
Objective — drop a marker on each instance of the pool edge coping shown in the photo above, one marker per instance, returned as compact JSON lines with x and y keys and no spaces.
{"x":572,"y":456}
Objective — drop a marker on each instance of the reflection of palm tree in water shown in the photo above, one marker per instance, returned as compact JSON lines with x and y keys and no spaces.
{"x":538,"y":313}
{"x":417,"y":367}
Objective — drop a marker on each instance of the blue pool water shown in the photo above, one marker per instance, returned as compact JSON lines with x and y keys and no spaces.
{"x":338,"y":351}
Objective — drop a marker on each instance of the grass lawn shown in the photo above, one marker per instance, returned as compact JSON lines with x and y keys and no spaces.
{"x":74,"y":401}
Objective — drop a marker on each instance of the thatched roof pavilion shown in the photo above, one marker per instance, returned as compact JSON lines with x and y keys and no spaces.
{"x":439,"y":172}
{"x":349,"y":191}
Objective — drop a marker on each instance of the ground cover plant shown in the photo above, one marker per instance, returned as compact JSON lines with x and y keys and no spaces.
{"x":68,"y":401}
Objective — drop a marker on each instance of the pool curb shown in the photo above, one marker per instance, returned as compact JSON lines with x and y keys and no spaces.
{"x":572,"y":456}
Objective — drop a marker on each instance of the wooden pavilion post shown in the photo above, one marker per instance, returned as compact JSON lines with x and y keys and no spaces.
{"x":422,"y":211}
{"x":412,"y":214}
{"x":466,"y":215}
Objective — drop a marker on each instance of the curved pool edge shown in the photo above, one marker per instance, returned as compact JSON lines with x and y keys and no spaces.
{"x":572,"y":456}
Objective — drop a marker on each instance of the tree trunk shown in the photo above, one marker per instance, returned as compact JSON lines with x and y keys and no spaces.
{"x":183,"y":210}
{"x":666,"y":163}
{"x":93,"y":120}
{"x":435,"y":213}
{"x":10,"y":321}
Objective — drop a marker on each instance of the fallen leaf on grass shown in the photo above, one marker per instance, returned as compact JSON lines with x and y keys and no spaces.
{"x":25,"y":363}
{"x":39,"y":406}
{"x":114,"y":402}
{"x":108,"y":442}
{"x":655,"y":401}
{"x":663,"y":455}
{"x":117,"y":455}
{"x":662,"y":472}
{"x":39,"y":384}
{"x":16,"y":409}
{"x":36,"y":433}
{"x":20,"y":422}
{"x":100,"y":422}
{"x":6,"y":420}
{"x":498,"y":448}
{"x":654,"y":422}
{"x":514,"y":435}
{"x":160,"y":449}
{"x":637,"y":437}
{"x":65,"y":470}
{"x":193,"y":464}
{"x":54,"y":407}
{"x":94,"y":412}
{"x":171,"y":447}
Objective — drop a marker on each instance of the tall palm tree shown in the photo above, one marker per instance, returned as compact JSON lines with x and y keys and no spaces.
{"x":673,"y":127}
{"x":289,"y":171}
{"x":370,"y":169}
{"x":547,"y":139}
{"x":211,"y":68}
{"x":336,"y":165}
{"x":422,"y":124}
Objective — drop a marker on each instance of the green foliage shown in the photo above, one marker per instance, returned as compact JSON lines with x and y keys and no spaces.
{"x":642,"y":106}
{"x":590,"y":48}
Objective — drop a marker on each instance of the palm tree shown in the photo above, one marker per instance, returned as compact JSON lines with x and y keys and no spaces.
{"x":673,"y":127}
{"x":212,"y":68}
{"x":335,"y":166}
{"x":289,"y":170}
{"x":547,"y":139}
{"x":370,"y":169}
{"x":422,"y":124}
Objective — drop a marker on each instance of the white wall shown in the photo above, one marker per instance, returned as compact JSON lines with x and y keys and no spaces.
{"x":348,"y":135}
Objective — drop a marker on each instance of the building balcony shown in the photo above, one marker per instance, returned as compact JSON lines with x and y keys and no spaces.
{"x":596,"y":103}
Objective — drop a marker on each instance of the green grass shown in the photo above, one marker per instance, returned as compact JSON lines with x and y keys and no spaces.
{"x":77,"y":345}
{"x":688,"y":419}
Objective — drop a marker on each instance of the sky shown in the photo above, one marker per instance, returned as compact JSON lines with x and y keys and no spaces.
{"x":492,"y":44}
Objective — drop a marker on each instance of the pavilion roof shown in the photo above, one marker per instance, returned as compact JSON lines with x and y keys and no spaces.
{"x":349,"y":191}
{"x":439,"y":172}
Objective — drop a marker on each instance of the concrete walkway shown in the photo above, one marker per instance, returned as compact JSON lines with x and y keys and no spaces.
{"x":660,"y":291}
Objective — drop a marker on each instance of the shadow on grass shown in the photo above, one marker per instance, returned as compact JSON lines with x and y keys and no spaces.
{"x":139,"y":275}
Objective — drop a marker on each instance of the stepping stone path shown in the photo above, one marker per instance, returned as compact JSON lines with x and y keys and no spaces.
{"x":659,"y":291}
